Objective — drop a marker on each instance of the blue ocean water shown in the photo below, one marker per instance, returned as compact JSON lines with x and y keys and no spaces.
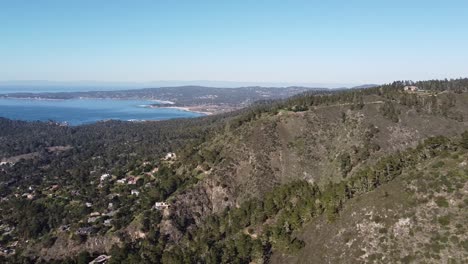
{"x":85,"y":111}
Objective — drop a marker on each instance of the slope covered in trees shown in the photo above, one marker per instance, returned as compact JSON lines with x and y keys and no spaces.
{"x":241,"y":187}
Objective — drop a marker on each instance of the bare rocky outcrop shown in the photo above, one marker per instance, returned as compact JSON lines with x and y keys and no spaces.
{"x":64,"y":246}
{"x":191,"y":206}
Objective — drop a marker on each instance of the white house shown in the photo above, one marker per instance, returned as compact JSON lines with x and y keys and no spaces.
{"x":108,"y":222}
{"x":122,"y":181}
{"x":135,"y":192}
{"x":105,"y":176}
{"x":161,"y":205}
{"x":132,"y":180}
{"x":170,"y":155}
{"x":411,"y":88}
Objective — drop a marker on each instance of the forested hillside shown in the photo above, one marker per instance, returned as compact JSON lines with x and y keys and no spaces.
{"x":256,"y":185}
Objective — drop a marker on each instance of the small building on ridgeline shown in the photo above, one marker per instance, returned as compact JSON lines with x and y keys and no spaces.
{"x":410,"y":88}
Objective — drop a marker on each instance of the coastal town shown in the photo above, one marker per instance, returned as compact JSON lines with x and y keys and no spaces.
{"x":101,"y":215}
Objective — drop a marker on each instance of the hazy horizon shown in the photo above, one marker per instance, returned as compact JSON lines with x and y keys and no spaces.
{"x":169,"y":83}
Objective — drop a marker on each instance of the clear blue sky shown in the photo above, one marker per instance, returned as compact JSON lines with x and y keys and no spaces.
{"x":262,"y":41}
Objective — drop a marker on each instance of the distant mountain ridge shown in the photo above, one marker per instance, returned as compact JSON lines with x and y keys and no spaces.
{"x":182,"y":95}
{"x":171,"y":83}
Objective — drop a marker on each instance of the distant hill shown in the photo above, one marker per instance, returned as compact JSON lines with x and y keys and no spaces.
{"x":365,"y":86}
{"x":183,"y":95}
{"x":173,"y":83}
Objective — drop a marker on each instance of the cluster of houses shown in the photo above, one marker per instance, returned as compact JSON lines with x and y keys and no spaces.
{"x":131,"y":180}
{"x":95,"y":217}
{"x":30,"y":192}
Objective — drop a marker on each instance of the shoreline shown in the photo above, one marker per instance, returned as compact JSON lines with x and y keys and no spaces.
{"x":205,"y":110}
{"x":193,"y":109}
{"x":84,"y":98}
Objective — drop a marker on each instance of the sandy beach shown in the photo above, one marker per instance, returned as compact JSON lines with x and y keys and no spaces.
{"x":193,"y":109}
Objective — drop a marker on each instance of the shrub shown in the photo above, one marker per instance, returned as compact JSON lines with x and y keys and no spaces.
{"x":444,"y":220}
{"x":441,"y":202}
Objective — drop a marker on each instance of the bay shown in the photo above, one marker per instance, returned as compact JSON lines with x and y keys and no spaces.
{"x":85,"y":111}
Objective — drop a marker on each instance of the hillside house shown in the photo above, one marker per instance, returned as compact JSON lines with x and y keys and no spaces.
{"x":108,"y":222}
{"x":161,"y":205}
{"x":122,"y":181}
{"x":93,"y":217}
{"x":105,"y":176}
{"x":132,"y":180}
{"x":410,"y":88}
{"x":135,"y":192}
{"x":28,"y":196}
{"x":170,"y":156}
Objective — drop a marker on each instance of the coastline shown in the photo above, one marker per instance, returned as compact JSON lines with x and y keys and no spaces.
{"x":32,"y":98}
{"x":193,"y":109}
{"x":205,"y":110}
{"x":39,"y":98}
{"x":162,"y":101}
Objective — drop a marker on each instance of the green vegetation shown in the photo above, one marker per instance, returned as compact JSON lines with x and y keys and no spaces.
{"x":246,"y":234}
{"x":242,"y":185}
{"x":389,"y":110}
